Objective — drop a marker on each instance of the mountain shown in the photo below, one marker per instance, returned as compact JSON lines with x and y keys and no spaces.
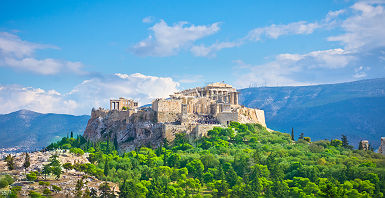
{"x":32,"y":130}
{"x":355,"y":109}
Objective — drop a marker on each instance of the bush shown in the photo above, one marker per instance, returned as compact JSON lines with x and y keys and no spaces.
{"x":7,"y":178}
{"x":77,"y":151}
{"x":56,"y":188}
{"x":3,"y":183}
{"x":31,"y":176}
{"x":46,"y":191}
{"x":34,"y":194}
{"x":44,"y":183}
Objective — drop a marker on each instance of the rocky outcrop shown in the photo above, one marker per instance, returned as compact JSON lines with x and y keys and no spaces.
{"x":135,"y":128}
{"x":132,"y":129}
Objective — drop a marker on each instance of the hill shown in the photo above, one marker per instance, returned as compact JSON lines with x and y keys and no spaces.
{"x":31,"y":129}
{"x":356,"y":109}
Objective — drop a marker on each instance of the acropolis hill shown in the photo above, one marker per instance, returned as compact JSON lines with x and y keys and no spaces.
{"x":192,"y":111}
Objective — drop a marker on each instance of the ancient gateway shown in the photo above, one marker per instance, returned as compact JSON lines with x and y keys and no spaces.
{"x":193,"y":111}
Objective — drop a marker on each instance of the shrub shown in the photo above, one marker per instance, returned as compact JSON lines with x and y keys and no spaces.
{"x":44,"y":183}
{"x":34,"y":194}
{"x":56,"y":188}
{"x":31,"y":176}
{"x":3,"y":183}
{"x":46,"y":191}
{"x":77,"y":151}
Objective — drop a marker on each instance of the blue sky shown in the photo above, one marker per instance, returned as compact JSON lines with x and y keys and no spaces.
{"x":70,"y":56}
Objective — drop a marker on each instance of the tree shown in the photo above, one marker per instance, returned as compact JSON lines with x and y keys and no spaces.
{"x":72,"y":134}
{"x":78,"y":188}
{"x":68,"y":166}
{"x":106,"y":168}
{"x":56,"y":170}
{"x":116,"y":142}
{"x":27,"y":162}
{"x":344,"y":140}
{"x":46,"y":171}
{"x":360,"y":146}
{"x":195,"y":167}
{"x":292,"y":134}
{"x":10,"y":162}
{"x":105,"y":190}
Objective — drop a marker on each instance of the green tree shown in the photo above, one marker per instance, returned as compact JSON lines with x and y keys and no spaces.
{"x":292,"y":134}
{"x":27,"y":162}
{"x":105,"y":190}
{"x":46,"y":171}
{"x":344,"y":140}
{"x":195,"y":167}
{"x":106,"y":168}
{"x":10,"y":162}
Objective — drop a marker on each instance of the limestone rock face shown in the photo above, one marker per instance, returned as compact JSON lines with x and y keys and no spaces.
{"x":131,"y":129}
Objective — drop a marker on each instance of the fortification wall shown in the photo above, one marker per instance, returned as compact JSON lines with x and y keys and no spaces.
{"x":165,"y":105}
{"x":202,"y":129}
{"x":227,"y":117}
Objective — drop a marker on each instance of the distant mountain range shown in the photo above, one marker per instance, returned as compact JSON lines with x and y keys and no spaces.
{"x":31,"y":129}
{"x":355,"y":109}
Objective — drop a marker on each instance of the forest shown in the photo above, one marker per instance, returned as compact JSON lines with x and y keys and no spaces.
{"x":242,"y":160}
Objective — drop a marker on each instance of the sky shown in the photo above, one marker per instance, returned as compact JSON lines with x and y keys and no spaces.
{"x":70,"y":56}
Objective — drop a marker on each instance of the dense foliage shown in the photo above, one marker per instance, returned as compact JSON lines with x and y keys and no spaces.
{"x":242,"y":160}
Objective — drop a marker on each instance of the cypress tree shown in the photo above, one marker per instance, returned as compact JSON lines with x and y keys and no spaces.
{"x":106,"y":168}
{"x":116,"y":142}
{"x":72,"y":134}
{"x":27,"y":162}
{"x":360,"y":145}
{"x":292,"y":134}
{"x":345,"y":142}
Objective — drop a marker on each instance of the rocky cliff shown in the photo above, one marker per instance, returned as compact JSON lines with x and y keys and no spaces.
{"x":130,"y":128}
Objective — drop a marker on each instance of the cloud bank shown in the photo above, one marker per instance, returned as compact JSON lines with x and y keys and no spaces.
{"x":19,"y":54}
{"x":95,"y":92}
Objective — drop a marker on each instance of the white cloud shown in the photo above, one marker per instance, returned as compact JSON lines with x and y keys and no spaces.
{"x":148,"y":19}
{"x":202,"y":50}
{"x":274,"y":31}
{"x":285,"y":68}
{"x":95,"y":92}
{"x":360,"y":72}
{"x":167,"y":40}
{"x":19,"y":54}
{"x":13,"y":98}
{"x":365,"y":29}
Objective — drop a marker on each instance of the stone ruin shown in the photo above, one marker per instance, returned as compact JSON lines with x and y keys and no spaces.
{"x":123,"y":104}
{"x":382,"y":146}
{"x":192,"y":111}
{"x":364,"y":145}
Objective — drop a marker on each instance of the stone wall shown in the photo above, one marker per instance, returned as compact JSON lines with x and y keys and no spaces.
{"x":167,"y":117}
{"x":227,"y":117}
{"x":202,"y":129}
{"x":167,"y":105}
